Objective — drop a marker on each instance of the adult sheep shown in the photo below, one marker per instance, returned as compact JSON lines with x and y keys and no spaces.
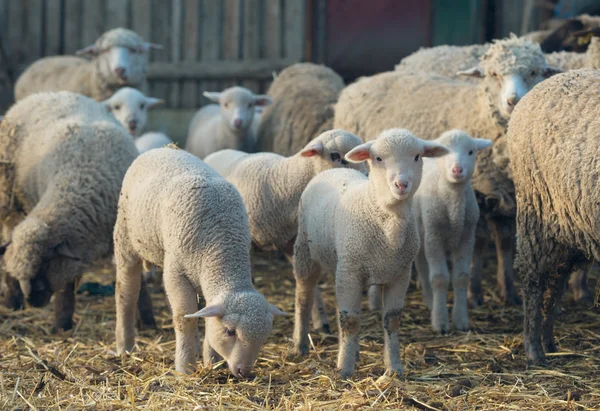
{"x":568,"y":60}
{"x":303,"y":95}
{"x":428,"y":105}
{"x":119,"y":58}
{"x":63,"y":160}
{"x":553,"y":146}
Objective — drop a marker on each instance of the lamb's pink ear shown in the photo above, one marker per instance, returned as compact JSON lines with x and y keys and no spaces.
{"x":153,"y":102}
{"x":433,"y":149}
{"x":88,"y":51}
{"x":482,"y":143}
{"x":312,"y":149}
{"x":549,"y":71}
{"x":263,"y":100}
{"x":472,"y":72}
{"x":359,"y":153}
{"x":212,"y":95}
{"x":215,"y":310}
{"x":276,"y":311}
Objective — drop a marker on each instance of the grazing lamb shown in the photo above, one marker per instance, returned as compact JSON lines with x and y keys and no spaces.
{"x":304,"y":95}
{"x":553,"y":146}
{"x":119,"y":58}
{"x":63,"y":160}
{"x":362,"y":229}
{"x":130,"y":106}
{"x":227,"y":124}
{"x":430,"y":105}
{"x":151,"y":140}
{"x":178,"y":213}
{"x":271,"y":186}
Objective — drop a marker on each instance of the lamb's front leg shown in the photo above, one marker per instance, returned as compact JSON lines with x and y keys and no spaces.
{"x":439,"y":278}
{"x":393,"y":302}
{"x":462,"y":257}
{"x":348,"y":291}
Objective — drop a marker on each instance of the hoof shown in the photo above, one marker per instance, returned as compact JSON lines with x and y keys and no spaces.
{"x":65,"y":325}
{"x":443,"y":328}
{"x":345,"y":374}
{"x":475,"y":300}
{"x":398,"y":369}
{"x":301,"y":349}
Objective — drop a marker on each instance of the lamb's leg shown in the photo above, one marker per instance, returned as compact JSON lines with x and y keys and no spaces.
{"x":129,"y":278}
{"x":423,"y":273}
{"x":183,"y":300}
{"x":209,"y":355}
{"x":556,"y":288}
{"x":10,"y":290}
{"x":64,"y":307}
{"x":348,"y":290}
{"x":462,"y":258}
{"x":393,"y":302}
{"x":374,"y":295}
{"x":439,"y":277}
{"x":475,"y":293}
{"x":320,"y":320}
{"x":504,"y":238}
{"x":579,"y":287}
{"x":145,"y":308}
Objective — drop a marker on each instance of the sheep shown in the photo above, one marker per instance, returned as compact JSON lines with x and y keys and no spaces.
{"x":151,"y":140}
{"x":568,"y":60}
{"x":552,"y":141}
{"x":304,"y":95}
{"x":178,"y":213}
{"x":130,"y":106}
{"x":119,"y":58}
{"x":432,"y":105}
{"x":63,"y":159}
{"x":566,"y":36}
{"x":227,"y":124}
{"x":363,"y":229}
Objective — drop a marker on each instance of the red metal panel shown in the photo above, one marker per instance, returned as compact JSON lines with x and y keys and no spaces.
{"x":369,"y":36}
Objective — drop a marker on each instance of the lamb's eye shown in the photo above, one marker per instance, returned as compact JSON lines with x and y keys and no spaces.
{"x":335,"y":156}
{"x":142,"y":106}
{"x":471,"y":152}
{"x":417,"y":157}
{"x":230,"y":332}
{"x":533,"y":73}
{"x":250,"y":105}
{"x":117,"y":107}
{"x":379,"y":160}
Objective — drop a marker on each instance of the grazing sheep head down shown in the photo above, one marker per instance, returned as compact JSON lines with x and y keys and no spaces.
{"x":238,"y":106}
{"x":238,"y":327}
{"x":459,"y":165}
{"x":121,"y":56}
{"x":130,"y":106}
{"x":509,"y":69}
{"x":329,"y":150}
{"x":396,"y":162}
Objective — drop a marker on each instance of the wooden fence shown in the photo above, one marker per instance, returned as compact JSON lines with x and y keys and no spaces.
{"x":208,"y":44}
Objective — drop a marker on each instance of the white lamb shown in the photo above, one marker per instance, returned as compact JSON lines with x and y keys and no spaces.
{"x":363,"y":229}
{"x":130,"y":106}
{"x":227,"y":124}
{"x":151,"y":140}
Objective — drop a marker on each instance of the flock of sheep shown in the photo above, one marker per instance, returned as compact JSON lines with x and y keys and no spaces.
{"x":499,"y":133}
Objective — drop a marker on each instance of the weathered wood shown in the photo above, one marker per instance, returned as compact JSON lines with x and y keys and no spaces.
{"x":176,"y":34}
{"x":52,"y":31}
{"x":272,"y":33}
{"x":141,"y":20}
{"x":210,"y":40}
{"x":191,"y":19}
{"x":229,"y":70}
{"x":117,"y":13}
{"x":161,"y":33}
{"x":94,"y":16}
{"x":72,"y":26}
{"x":251,"y":38}
{"x":16,"y":46}
{"x":294,"y":29}
{"x":232,"y":39}
{"x":35,"y":38}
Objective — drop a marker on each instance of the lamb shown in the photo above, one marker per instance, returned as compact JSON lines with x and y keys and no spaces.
{"x":508,"y":70}
{"x":178,"y":213}
{"x":363,"y":229}
{"x":130,"y":106}
{"x":63,"y":160}
{"x":304,"y":95}
{"x":271,"y":186}
{"x":553,"y":145}
{"x":227,"y":124}
{"x":151,"y":140}
{"x":119,"y":58}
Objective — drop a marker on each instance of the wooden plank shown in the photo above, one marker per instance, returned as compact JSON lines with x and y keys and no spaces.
{"x":72,"y":26}
{"x":52,"y":29}
{"x":161,"y":33}
{"x":176,"y":34}
{"x":452,"y":22}
{"x":94,"y":17}
{"x":251,"y":48}
{"x":117,"y":13}
{"x":232,"y":39}
{"x":261,"y":69}
{"x":294,"y":16}
{"x":210,"y":40}
{"x":141,"y":20}
{"x":191,"y":29}
{"x":16,"y":48}
{"x":272,"y":34}
{"x":35,"y":37}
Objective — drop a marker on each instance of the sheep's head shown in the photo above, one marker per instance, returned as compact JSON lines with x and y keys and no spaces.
{"x":459,"y":165}
{"x":238,"y":106}
{"x":130,"y":107}
{"x":329,"y":149}
{"x":121,"y":56}
{"x":509,"y":69}
{"x":395,"y":163}
{"x":237,"y":327}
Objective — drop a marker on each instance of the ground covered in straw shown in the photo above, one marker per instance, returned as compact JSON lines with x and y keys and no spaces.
{"x":483,"y":369}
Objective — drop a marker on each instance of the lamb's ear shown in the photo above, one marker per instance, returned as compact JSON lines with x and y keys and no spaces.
{"x":64,"y":250}
{"x":92,"y":50}
{"x":549,"y":71}
{"x":276,"y":311}
{"x":312,"y":149}
{"x":147,"y":46}
{"x":433,"y":149}
{"x":3,"y":248}
{"x":472,"y":72}
{"x":359,"y":153}
{"x":212,"y":96}
{"x":215,"y":310}
{"x":262,"y":100}
{"x":482,"y":143}
{"x":153,"y":102}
